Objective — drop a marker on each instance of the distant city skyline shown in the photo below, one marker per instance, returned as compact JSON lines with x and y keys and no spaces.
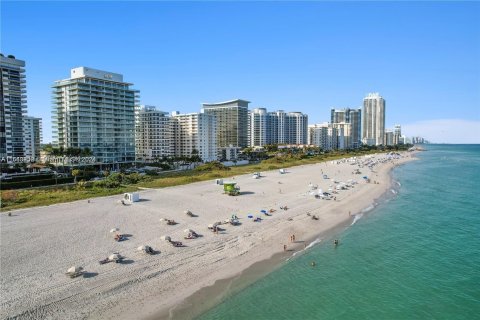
{"x":421,"y":57}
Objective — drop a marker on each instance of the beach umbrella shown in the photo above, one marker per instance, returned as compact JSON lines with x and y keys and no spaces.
{"x":188,"y":230}
{"x":250,"y":216}
{"x":162,"y":219}
{"x":142,"y":248}
{"x":365,"y":177}
{"x":74,"y":269}
{"x":263,"y":211}
{"x":114,"y":230}
{"x":187,"y":211}
{"x":114,"y":256}
{"x":166,"y":238}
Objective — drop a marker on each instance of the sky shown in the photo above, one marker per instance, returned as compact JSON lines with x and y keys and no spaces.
{"x":422,"y":57}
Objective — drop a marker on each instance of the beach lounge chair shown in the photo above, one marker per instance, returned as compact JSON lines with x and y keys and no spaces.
{"x":190,"y":235}
{"x":74,"y":272}
{"x":176,"y":243}
{"x":119,"y":237}
{"x":171,"y":222}
{"x":146,"y":249}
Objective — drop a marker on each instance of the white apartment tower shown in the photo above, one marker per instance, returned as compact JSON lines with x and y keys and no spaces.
{"x":354,"y":118}
{"x":95,"y":109}
{"x":195,"y":131}
{"x":323,"y":135}
{"x":32,"y":136}
{"x":12,"y":107}
{"x":297,"y":128}
{"x":154,"y":137}
{"x":397,"y":135}
{"x":373,"y":120}
{"x":277,"y":127}
{"x":258,"y":132}
{"x":344,"y":135}
{"x":232,"y":122}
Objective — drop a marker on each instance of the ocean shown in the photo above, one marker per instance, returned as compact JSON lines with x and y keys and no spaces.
{"x":416,"y":255}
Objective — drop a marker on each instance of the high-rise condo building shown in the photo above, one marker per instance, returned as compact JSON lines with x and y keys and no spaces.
{"x":154,"y":137}
{"x":232,"y":123}
{"x":297,"y":128}
{"x":373,"y":120}
{"x":389,"y":138}
{"x":258,"y":129}
{"x":195,"y":132}
{"x":354,"y":117}
{"x":277,"y":127}
{"x":13,"y":105}
{"x":397,"y":135}
{"x":344,"y":135}
{"x":32,"y":136}
{"x":323,"y":135}
{"x":95,"y":109}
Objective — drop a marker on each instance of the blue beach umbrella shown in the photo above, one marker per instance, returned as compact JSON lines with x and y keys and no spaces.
{"x":263,"y":211}
{"x":250,"y":216}
{"x":365,"y":177}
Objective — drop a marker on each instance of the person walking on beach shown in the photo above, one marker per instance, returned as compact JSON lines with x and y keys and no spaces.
{"x":293,"y":238}
{"x":284,"y":247}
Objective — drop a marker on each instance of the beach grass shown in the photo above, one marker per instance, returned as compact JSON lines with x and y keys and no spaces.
{"x":26,"y":198}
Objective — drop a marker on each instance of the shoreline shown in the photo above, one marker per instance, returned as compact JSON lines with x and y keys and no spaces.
{"x":208,"y":297}
{"x":148,"y":287}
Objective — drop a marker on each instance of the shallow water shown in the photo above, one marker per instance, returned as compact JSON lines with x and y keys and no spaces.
{"x":414,"y":256}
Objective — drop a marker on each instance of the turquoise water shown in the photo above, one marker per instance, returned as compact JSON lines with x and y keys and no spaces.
{"x":415,"y":256}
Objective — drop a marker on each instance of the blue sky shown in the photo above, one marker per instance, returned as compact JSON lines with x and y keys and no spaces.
{"x":423,"y":57}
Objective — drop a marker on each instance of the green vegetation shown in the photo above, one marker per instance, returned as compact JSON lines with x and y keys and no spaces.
{"x":117,"y":183}
{"x":16,"y":199}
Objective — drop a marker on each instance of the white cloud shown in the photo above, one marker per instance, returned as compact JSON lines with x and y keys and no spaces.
{"x":445,"y":130}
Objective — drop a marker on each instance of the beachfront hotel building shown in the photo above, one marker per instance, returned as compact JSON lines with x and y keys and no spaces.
{"x":373,"y":120}
{"x":354,"y":118}
{"x":232,"y":125}
{"x":397,"y":135}
{"x":13,"y":105}
{"x":344,"y":135}
{"x":153,"y":134}
{"x":32,"y":136}
{"x":258,"y":128}
{"x":323,"y":135}
{"x":277,"y":127}
{"x":95,"y":109}
{"x":195,"y":132}
{"x":296,"y":131}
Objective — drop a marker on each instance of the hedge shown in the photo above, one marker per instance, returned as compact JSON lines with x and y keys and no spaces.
{"x":34,"y":183}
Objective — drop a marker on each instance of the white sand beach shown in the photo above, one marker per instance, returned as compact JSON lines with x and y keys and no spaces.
{"x":38,"y":245}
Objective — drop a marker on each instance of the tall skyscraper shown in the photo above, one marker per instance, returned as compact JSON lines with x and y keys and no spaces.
{"x":277,"y":127}
{"x":195,"y":131}
{"x":354,"y":118}
{"x":13,"y":105}
{"x":297,"y":128}
{"x":258,"y":128}
{"x":154,"y":136}
{"x":232,"y":121}
{"x":323,"y":135}
{"x":397,"y":135}
{"x":373,"y":119}
{"x":32,"y":136}
{"x":95,"y":109}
